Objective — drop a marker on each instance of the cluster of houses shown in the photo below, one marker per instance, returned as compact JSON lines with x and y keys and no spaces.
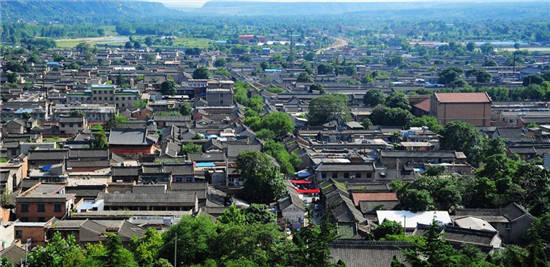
{"x":69,"y":164}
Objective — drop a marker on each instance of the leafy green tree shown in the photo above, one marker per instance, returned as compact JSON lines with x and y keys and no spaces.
{"x":451,"y":76}
{"x":263,"y":182}
{"x":387,"y":116}
{"x":220,"y":62}
{"x":490,"y":63}
{"x":434,"y":170}
{"x":232,"y":215}
{"x":190,"y":148}
{"x":387,"y":227}
{"x":259,"y":213}
{"x":255,"y":123}
{"x":416,"y":200}
{"x":511,"y":256}
{"x":223,"y":72}
{"x":398,"y":99}
{"x":58,"y":252}
{"x":279,"y":123}
{"x":480,"y":193}
{"x":185,"y":109}
{"x":428,"y":121}
{"x":12,"y":77}
{"x":325,"y":68}
{"x":317,"y":87}
{"x":495,"y":146}
{"x":366,"y":122}
{"x":77,"y":113}
{"x":326,"y":108}
{"x":374,"y":97}
{"x":483,"y":76}
{"x":168,"y":87}
{"x":141,"y":103}
{"x":115,"y":254}
{"x":313,"y":244}
{"x":462,"y":136}
{"x":146,"y":248}
{"x":100,"y":140}
{"x":304,"y":78}
{"x":498,"y":165}
{"x":540,"y":228}
{"x":194,"y":236}
{"x":434,"y":251}
{"x":428,"y":192}
{"x":256,"y":103}
{"x":532,"y":79}
{"x":278,"y":151}
{"x":201,"y":73}
{"x":5,"y":262}
{"x":310,"y":56}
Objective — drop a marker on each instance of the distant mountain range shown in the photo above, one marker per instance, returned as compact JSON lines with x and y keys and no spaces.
{"x":113,"y":11}
{"x":79,"y":11}
{"x":249,"y":8}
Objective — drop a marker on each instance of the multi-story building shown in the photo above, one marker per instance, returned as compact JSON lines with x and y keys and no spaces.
{"x":474,"y":108}
{"x":105,"y":94}
{"x":219,"y":93}
{"x":94,"y":112}
{"x":42,"y":202}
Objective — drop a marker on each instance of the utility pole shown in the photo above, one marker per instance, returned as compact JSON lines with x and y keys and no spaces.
{"x":176,"y":250}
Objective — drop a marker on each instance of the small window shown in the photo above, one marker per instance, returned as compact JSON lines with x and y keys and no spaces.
{"x":57,"y":208}
{"x":41,"y":208}
{"x":358,"y":175}
{"x":18,"y":233}
{"x":24,"y":207}
{"x":346,"y":175}
{"x":41,"y":219}
{"x":334,"y":175}
{"x":324,"y":175}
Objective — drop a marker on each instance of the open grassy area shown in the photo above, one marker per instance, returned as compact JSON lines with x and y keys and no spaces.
{"x":192,"y":42}
{"x":111,"y":40}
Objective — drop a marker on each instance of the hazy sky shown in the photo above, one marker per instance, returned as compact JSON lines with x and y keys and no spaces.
{"x":198,"y":3}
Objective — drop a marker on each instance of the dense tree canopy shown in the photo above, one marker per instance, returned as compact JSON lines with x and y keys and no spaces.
{"x":201,"y":73}
{"x":382,"y":115}
{"x":168,"y":87}
{"x":374,"y":97}
{"x":398,"y":99}
{"x":263,"y":182}
{"x":326,"y":108}
{"x":462,"y":136}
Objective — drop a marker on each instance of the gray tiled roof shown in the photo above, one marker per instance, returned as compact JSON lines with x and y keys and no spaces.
{"x":207,"y":156}
{"x":129,"y":137}
{"x":131,"y":199}
{"x":125,"y":170}
{"x":345,"y":167}
{"x":48,"y":155}
{"x":358,"y":253}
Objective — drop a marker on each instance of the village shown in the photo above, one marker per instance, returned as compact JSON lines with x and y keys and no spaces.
{"x":116,"y":139}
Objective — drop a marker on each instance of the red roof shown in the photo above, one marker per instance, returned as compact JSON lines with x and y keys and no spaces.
{"x":300,"y":182}
{"x":373,"y":196}
{"x":423,"y":105}
{"x":307,"y":191}
{"x":463,"y":97}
